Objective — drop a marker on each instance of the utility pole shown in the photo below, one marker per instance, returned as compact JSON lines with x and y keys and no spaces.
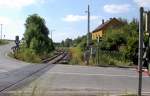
{"x":98,"y":51}
{"x":88,"y":28}
{"x":1,"y":31}
{"x":51,"y":33}
{"x":140,"y":56}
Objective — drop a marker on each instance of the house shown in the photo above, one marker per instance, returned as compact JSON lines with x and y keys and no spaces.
{"x":101,"y":29}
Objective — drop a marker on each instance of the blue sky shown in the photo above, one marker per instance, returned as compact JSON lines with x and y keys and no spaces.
{"x":66,"y":18}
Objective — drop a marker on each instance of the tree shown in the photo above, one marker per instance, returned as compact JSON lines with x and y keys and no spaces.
{"x":36,"y":35}
{"x":124,"y":21}
{"x":130,"y":51}
{"x":68,"y":42}
{"x":113,"y":39}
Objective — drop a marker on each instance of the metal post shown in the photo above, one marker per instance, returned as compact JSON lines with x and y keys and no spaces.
{"x":140,"y":56}
{"x":88,"y":33}
{"x":98,"y":50}
{"x":51,"y":34}
{"x":1,"y":32}
{"x":148,"y":30}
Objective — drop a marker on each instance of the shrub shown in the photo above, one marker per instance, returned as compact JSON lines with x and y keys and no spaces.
{"x":27,"y":55}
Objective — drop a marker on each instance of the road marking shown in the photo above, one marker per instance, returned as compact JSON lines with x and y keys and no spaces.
{"x":90,"y":74}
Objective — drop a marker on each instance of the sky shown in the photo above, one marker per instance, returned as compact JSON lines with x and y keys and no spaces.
{"x":65,"y":18}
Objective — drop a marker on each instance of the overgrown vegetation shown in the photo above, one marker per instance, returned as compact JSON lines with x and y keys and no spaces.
{"x":76,"y":56}
{"x":36,"y":43}
{"x":123,"y":41}
{"x":118,"y":47}
{"x":2,"y":42}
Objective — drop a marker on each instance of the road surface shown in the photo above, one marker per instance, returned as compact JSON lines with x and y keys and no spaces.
{"x":61,"y":79}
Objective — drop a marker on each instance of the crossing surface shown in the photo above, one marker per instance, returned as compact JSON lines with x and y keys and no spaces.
{"x":61,"y":79}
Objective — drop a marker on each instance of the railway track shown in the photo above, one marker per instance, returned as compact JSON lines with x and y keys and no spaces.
{"x":54,"y":60}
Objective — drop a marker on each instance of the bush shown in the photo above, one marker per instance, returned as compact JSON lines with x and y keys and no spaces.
{"x":114,"y":58}
{"x":27,"y":55}
{"x":36,"y":42}
{"x":36,"y":35}
{"x":112,"y":40}
{"x":123,"y":40}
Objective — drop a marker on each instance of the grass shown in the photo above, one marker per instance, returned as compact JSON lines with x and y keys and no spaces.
{"x":76,"y":56}
{"x":28,"y":55}
{"x":113,"y":59}
{"x":2,"y":42}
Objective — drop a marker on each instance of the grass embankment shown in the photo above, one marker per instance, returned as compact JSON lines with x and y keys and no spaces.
{"x":28,"y":55}
{"x":2,"y":42}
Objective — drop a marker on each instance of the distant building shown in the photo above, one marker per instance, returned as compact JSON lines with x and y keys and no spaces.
{"x":101,"y":29}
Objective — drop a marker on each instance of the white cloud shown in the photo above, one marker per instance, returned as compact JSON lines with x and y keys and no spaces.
{"x":18,"y":4}
{"x":144,"y":3}
{"x":12,"y":27}
{"x":76,"y":18}
{"x":114,"y":8}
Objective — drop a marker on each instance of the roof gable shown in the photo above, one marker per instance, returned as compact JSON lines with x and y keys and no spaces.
{"x":100,"y":27}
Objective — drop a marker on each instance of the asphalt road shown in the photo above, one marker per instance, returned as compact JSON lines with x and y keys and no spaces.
{"x":13,"y":71}
{"x":7,"y":63}
{"x":67,"y":79}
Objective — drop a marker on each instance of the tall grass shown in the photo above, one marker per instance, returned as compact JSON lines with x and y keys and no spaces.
{"x":76,"y":55}
{"x":26,"y":55}
{"x":29,"y":55}
{"x":106,"y":58}
{"x":113,"y":58}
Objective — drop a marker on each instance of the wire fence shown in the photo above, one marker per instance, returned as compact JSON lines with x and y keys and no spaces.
{"x":111,"y":58}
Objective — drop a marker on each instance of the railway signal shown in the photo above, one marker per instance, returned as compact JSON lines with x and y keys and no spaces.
{"x":140,"y":56}
{"x":17,"y":41}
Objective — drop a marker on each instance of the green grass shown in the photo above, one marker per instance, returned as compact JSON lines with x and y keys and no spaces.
{"x":28,"y":55}
{"x":2,"y":42}
{"x":112,"y":59}
{"x":76,"y":56}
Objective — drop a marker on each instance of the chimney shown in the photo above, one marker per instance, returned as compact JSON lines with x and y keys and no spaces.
{"x":103,"y":21}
